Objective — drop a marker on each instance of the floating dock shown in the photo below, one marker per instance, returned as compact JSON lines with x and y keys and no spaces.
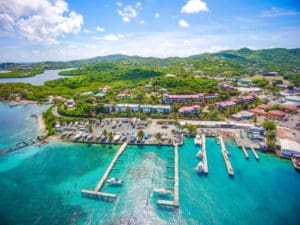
{"x":204,"y":156}
{"x":225,"y":156}
{"x":254,"y":152}
{"x":175,"y":202}
{"x":245,"y":152}
{"x":98,"y":187}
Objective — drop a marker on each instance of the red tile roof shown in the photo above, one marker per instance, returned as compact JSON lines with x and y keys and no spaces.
{"x":258,"y":111}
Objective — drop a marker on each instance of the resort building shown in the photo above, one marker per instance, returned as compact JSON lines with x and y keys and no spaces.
{"x":195,"y":109}
{"x":163,"y":90}
{"x":258,"y":111}
{"x":226,"y":104}
{"x":108,"y":108}
{"x":165,"y":109}
{"x":242,"y":115}
{"x":276,"y":114}
{"x":124,"y":107}
{"x":124,"y":96}
{"x":169,"y":99}
{"x":105,"y":88}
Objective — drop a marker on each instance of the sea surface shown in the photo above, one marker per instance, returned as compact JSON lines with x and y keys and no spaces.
{"x":41,"y":185}
{"x":38,"y":79}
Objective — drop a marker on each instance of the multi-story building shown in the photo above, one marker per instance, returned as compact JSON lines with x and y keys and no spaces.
{"x":169,"y":99}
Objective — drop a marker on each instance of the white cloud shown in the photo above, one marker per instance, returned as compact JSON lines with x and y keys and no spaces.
{"x":120,"y":4}
{"x":142,"y":22}
{"x":183,"y":23}
{"x":100,"y":29}
{"x":275,"y":12}
{"x":128,"y":12}
{"x":194,"y":6}
{"x":41,"y":21}
{"x":253,"y":37}
{"x":156,"y":15}
{"x":109,"y":37}
{"x":86,"y":31}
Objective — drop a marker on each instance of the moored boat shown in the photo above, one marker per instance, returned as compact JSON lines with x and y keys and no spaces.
{"x":162,"y":191}
{"x":199,"y":167}
{"x":115,"y":181}
{"x":197,"y":140}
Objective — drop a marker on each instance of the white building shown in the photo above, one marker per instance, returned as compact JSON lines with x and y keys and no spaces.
{"x":124,"y":107}
{"x":289,"y":147}
{"x":155,"y":109}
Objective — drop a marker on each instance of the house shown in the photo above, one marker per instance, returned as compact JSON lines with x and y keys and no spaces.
{"x":247,"y":98}
{"x":265,"y":106}
{"x":258,"y":111}
{"x":195,"y":109}
{"x":212,"y":95}
{"x":171,"y":75}
{"x":295,"y":99}
{"x":226,"y":87}
{"x":270,"y":74}
{"x":165,"y":109}
{"x":124,"y":107}
{"x":147,"y":87}
{"x":289,"y":148}
{"x":108,"y":108}
{"x":70,"y":103}
{"x":226,"y":104}
{"x":163,"y":90}
{"x":89,"y":93}
{"x":276,"y":114}
{"x":183,"y":98}
{"x":124,"y":96}
{"x":242,"y":115}
{"x":105,"y":88}
{"x":245,"y":82}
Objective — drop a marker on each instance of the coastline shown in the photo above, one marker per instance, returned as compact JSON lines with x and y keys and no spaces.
{"x":41,"y":123}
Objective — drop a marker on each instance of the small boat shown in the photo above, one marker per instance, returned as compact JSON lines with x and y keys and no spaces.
{"x":89,"y":137}
{"x":199,"y":154}
{"x":199,"y":167}
{"x":227,"y":152}
{"x":117,"y":137}
{"x":115,"y":181}
{"x":162,"y":191}
{"x":197,"y":140}
{"x":78,"y":136}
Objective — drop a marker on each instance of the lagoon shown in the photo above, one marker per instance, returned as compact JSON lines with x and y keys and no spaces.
{"x":41,"y":185}
{"x":38,"y":79}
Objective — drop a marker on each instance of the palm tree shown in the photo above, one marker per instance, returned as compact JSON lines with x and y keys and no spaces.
{"x":158,"y":137}
{"x":141,"y":134}
{"x":110,"y":136}
{"x":104,"y":132}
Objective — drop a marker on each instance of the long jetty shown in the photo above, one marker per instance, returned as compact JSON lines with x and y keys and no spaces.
{"x":204,"y":156}
{"x":96,"y":192}
{"x":254,"y":152}
{"x":175,"y":202}
{"x":225,"y":156}
{"x":245,"y":152}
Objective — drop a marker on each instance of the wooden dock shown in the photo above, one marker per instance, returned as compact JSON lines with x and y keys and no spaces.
{"x":175,"y":202}
{"x":204,"y":156}
{"x":96,"y":192}
{"x":225,"y":156}
{"x":254,"y":152}
{"x":245,"y":152}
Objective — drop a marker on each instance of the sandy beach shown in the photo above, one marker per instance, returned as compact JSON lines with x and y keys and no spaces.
{"x":41,"y":122}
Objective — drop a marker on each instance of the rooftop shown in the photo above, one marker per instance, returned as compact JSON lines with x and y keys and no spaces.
{"x":285,"y":133}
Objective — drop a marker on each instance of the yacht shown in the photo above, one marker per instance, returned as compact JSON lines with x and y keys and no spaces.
{"x":162,"y":191}
{"x":197,"y":140}
{"x":89,"y":137}
{"x":199,"y":154}
{"x":199,"y":167}
{"x":117,"y":137}
{"x":115,"y":181}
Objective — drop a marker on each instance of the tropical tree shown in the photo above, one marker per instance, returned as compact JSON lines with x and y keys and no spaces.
{"x":158,"y":136}
{"x":141,"y":134}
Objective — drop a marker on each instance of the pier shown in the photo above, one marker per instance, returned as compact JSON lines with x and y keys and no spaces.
{"x":204,"y":156}
{"x":245,"y":152}
{"x":98,"y":187}
{"x":225,"y":156}
{"x":175,"y":202}
{"x":254,"y":152}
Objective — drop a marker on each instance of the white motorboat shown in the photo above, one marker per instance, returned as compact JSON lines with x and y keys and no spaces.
{"x":227,"y":152}
{"x":199,"y":154}
{"x":117,"y":137}
{"x":199,"y":167}
{"x":78,"y":136}
{"x":197,"y":140}
{"x":115,"y":181}
{"x":162,"y":191}
{"x":89,"y":137}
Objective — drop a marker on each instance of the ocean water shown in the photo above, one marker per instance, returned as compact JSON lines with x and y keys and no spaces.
{"x":41,"y":185}
{"x":38,"y":79}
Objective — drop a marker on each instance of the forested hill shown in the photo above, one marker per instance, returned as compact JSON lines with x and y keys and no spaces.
{"x":225,"y":63}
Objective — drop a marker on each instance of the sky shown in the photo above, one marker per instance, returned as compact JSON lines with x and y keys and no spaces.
{"x":61,"y":30}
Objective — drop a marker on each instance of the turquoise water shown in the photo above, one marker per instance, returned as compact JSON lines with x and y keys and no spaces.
{"x":41,"y":185}
{"x":38,"y":79}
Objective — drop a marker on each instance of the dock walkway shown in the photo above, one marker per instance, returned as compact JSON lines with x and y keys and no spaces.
{"x":175,"y":202}
{"x":254,"y":152}
{"x":245,"y":152}
{"x":98,"y":187}
{"x":225,"y":156}
{"x":204,"y":156}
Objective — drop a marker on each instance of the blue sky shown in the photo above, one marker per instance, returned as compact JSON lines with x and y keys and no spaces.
{"x":39,"y":30}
